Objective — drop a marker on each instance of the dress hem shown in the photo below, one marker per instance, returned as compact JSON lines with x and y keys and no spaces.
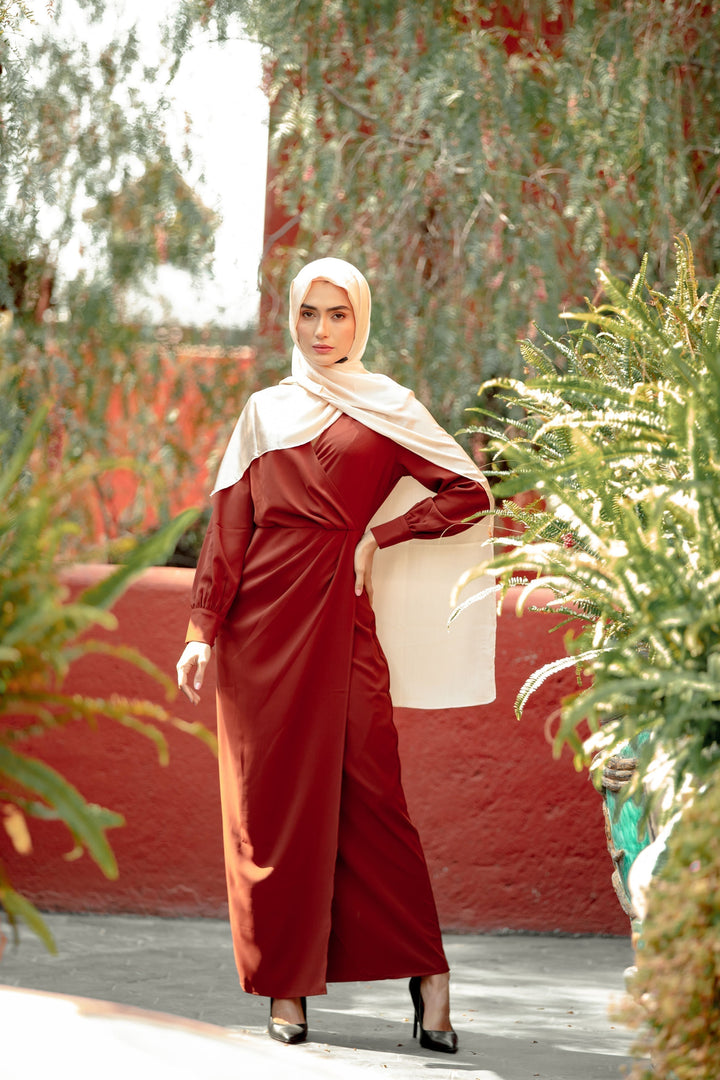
{"x":405,"y":974}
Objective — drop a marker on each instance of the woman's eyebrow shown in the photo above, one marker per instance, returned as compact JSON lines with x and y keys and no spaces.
{"x":337,"y":307}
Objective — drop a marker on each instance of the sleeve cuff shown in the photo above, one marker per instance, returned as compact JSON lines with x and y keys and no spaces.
{"x":392,"y":532}
{"x":203,"y":626}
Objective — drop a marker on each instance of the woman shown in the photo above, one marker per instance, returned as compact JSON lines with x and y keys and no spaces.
{"x":326,"y":877}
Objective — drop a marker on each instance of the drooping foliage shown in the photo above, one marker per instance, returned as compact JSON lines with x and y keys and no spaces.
{"x":92,"y":202}
{"x":42,"y":633}
{"x":85,"y":160}
{"x":478,"y":160}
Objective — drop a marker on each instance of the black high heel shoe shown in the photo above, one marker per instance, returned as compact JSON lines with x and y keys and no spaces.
{"x":445,"y":1042}
{"x":288,"y":1033}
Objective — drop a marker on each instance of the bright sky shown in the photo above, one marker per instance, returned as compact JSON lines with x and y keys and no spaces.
{"x":219,"y":87}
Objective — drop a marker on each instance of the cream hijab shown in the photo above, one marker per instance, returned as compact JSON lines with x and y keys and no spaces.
{"x":431,"y":666}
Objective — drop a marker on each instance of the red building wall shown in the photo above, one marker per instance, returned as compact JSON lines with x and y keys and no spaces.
{"x":514,"y":839}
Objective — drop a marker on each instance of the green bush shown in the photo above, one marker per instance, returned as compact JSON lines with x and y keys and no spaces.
{"x":676,"y":991}
{"x":42,"y":633}
{"x":620,"y":444}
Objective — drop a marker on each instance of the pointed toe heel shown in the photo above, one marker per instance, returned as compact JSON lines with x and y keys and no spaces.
{"x":290,"y":1034}
{"x":443,"y":1042}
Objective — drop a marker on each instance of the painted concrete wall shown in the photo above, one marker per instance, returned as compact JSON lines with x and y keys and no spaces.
{"x":514,"y":839}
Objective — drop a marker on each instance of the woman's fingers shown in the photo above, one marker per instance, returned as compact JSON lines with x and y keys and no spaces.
{"x":363,"y":580}
{"x":196,"y":655}
{"x":190,"y":693}
{"x":364,"y":553}
{"x":359,"y":578}
{"x":202,"y":663}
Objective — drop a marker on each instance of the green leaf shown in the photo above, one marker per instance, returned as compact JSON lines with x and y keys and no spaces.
{"x":17,"y":907}
{"x":86,"y":823}
{"x":541,"y":675}
{"x":149,"y":552}
{"x":14,"y":467}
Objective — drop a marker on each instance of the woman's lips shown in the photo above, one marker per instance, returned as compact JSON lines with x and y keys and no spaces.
{"x":323,"y":348}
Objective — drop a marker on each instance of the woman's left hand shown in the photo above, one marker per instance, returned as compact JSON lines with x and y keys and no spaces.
{"x":364,"y":554}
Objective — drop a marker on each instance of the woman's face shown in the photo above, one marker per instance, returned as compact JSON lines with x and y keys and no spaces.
{"x":326,"y":324}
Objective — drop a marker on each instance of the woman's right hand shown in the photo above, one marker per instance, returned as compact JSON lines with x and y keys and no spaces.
{"x":196,"y":654}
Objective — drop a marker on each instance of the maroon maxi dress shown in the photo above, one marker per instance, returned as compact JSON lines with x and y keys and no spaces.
{"x":326,"y":877}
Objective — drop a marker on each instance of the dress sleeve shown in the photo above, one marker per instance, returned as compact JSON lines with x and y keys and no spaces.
{"x":220,"y":564}
{"x":456,"y":499}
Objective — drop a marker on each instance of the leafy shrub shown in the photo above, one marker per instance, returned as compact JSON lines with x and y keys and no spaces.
{"x":676,"y":991}
{"x":621,"y":444}
{"x":41,"y":634}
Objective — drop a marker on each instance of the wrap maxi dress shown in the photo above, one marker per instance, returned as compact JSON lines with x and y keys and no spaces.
{"x":326,"y":877}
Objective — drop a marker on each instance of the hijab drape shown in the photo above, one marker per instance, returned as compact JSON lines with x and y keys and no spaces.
{"x":430,"y":666}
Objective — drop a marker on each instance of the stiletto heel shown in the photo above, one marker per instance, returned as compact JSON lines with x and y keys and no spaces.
{"x":288,"y":1033}
{"x":445,"y":1042}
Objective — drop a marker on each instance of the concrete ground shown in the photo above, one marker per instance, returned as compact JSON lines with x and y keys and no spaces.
{"x":526,"y":1007}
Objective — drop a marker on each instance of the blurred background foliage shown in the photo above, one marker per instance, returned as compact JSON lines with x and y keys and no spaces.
{"x":92,"y":201}
{"x":478,"y":161}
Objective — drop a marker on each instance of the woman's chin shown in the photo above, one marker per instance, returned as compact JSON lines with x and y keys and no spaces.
{"x":324,"y":360}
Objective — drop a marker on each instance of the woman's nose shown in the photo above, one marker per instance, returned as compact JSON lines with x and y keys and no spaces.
{"x":322,"y":328}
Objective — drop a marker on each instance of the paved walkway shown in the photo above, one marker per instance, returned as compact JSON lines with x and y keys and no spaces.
{"x":525,"y":1007}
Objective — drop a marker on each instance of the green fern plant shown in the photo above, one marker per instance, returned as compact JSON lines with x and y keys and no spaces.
{"x":42,"y":633}
{"x":620,"y":441}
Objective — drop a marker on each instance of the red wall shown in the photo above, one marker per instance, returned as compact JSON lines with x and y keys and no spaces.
{"x":513,"y":838}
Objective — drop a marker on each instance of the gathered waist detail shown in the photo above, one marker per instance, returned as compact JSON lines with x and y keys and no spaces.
{"x":315,"y":528}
